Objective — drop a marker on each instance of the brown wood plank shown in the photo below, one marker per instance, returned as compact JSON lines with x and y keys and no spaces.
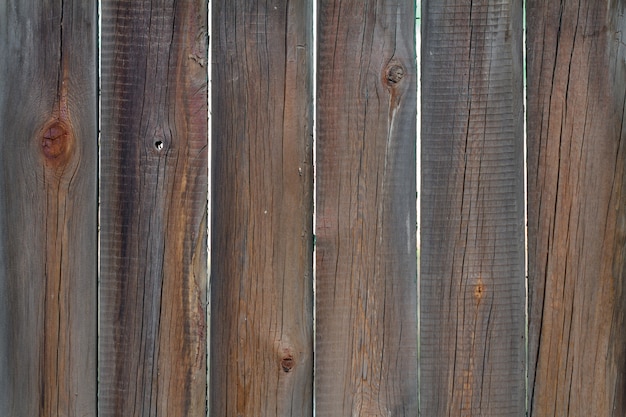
{"x":577,"y":208}
{"x":366,"y":311}
{"x":261,"y":252}
{"x":153,"y":209}
{"x":48,"y":208}
{"x":472,"y":297}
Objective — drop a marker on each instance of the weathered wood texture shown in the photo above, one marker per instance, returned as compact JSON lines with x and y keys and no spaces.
{"x":261,"y":251}
{"x":48,"y":208}
{"x":577,"y":208}
{"x":472,"y":295}
{"x":366,"y":335}
{"x":152,"y":357}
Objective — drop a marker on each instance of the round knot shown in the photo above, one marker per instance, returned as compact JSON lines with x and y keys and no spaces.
{"x":54,"y":142}
{"x":394,"y":74}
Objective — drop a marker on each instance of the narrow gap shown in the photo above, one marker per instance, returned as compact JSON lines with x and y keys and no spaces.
{"x":98,"y":208}
{"x":418,"y":174}
{"x":525,"y":163}
{"x":314,"y":93}
{"x":209,"y":67}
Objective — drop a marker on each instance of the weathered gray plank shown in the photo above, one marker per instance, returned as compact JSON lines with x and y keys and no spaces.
{"x":261,"y":256}
{"x":153,"y":195}
{"x":48,"y":207}
{"x":472,"y":237}
{"x":366,"y":334}
{"x":577,"y":208}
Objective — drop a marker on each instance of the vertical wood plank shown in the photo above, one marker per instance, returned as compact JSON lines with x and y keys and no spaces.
{"x":366,"y":334}
{"x":577,"y":208}
{"x":48,"y":208}
{"x":472,"y":238}
{"x":261,"y":256}
{"x":153,"y":195}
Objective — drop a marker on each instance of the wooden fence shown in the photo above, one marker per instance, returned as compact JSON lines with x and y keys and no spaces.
{"x":104,"y":289}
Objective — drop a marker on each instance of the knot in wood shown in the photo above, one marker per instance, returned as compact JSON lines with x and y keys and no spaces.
{"x":394,"y":74}
{"x":287,"y":363}
{"x":479,"y":291}
{"x":55,"y":140}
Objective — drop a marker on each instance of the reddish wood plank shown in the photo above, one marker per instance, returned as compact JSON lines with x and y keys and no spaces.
{"x":261,"y":256}
{"x":153,"y":209}
{"x":366,"y":334}
{"x":472,"y":238}
{"x":48,"y":208}
{"x":577,"y":208}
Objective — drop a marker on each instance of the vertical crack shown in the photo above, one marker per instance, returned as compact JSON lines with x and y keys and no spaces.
{"x":60,"y":68}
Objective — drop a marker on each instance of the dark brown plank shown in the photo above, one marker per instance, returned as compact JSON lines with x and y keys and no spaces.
{"x":366,"y":334}
{"x":48,"y":208}
{"x":261,"y":253}
{"x":577,"y":208}
{"x":153,"y":209}
{"x":472,"y":210}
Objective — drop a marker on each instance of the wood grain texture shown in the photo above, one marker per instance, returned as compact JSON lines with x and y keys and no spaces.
{"x":48,"y":208}
{"x":472,"y":295}
{"x":153,"y":217}
{"x":577,"y":208}
{"x":261,"y":252}
{"x":366,"y":311}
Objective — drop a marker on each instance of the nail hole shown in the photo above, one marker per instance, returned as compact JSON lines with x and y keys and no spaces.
{"x":158,"y":145}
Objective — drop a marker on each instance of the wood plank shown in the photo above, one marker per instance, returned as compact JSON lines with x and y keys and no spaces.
{"x":577,"y":208}
{"x":366,"y":268}
{"x":153,"y":213}
{"x":48,"y":208}
{"x":472,"y":289}
{"x":261,"y":252}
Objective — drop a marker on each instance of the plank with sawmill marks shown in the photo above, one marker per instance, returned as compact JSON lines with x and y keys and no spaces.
{"x":153,"y":191}
{"x":48,"y":208}
{"x":261,"y":268}
{"x":366,"y":268}
{"x":472,"y":288}
{"x":576,"y":208}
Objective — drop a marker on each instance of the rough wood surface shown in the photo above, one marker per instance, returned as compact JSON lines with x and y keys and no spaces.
{"x":472,"y":210}
{"x":366,"y":312}
{"x":153,"y":193}
{"x":577,"y":208}
{"x":48,"y":208}
{"x":261,"y":252}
